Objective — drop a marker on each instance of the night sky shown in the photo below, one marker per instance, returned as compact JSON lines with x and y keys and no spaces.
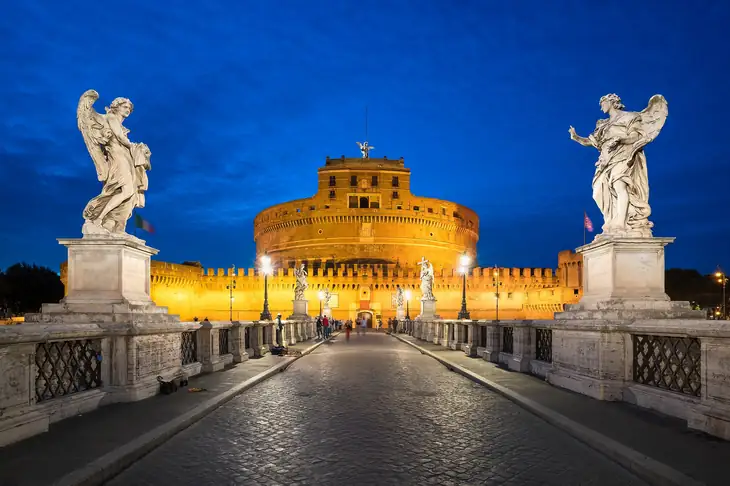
{"x":240,"y":103}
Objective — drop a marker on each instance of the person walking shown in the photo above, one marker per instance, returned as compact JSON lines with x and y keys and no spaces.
{"x":319,"y":327}
{"x":348,"y":328}
{"x":326,"y":327}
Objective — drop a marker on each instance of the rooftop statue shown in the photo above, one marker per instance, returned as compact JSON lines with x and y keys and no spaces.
{"x":121,"y":166}
{"x":365,"y":149}
{"x":620,"y":183}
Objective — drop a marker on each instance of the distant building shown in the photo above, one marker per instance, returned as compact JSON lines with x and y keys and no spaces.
{"x":361,"y":236}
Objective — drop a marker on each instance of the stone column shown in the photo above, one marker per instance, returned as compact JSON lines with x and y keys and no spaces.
{"x":291,"y":338}
{"x":238,"y":342}
{"x":523,"y":350}
{"x":208,"y":348}
{"x":472,"y":341}
{"x":494,"y":343}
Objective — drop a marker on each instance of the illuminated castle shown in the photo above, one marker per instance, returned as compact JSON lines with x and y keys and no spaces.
{"x":360,"y":236}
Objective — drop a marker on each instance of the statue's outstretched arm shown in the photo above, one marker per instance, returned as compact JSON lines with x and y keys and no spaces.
{"x":585,"y":141}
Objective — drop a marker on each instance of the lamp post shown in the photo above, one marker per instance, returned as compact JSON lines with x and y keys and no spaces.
{"x":320,"y":294}
{"x":407,"y":295}
{"x":722,"y":279}
{"x":231,"y":287}
{"x":266,"y":269}
{"x":496,"y":293}
{"x":464,"y":261}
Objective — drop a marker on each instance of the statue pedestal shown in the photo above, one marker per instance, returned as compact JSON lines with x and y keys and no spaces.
{"x":103,"y":270}
{"x":326,"y":311}
{"x":624,"y":278}
{"x":301,"y":309}
{"x":400,"y":314}
{"x":428,"y":310}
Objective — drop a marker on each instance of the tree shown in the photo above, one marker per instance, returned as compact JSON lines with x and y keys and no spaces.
{"x":25,"y":287}
{"x":691,"y":285}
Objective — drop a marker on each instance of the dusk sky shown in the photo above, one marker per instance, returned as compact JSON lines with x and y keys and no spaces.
{"x":240,"y":102}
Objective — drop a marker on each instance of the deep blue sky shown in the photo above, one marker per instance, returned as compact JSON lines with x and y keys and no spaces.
{"x":240,"y":102}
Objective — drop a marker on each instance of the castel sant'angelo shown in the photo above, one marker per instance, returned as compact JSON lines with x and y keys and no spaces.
{"x":360,"y":236}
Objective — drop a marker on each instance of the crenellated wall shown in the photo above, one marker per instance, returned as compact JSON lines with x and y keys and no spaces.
{"x":525,"y":293}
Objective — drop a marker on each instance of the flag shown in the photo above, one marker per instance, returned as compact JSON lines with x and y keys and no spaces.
{"x":142,"y":223}
{"x":587,"y":223}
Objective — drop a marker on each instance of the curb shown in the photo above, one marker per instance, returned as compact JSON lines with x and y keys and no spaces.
{"x":114,"y":462}
{"x":641,"y":465}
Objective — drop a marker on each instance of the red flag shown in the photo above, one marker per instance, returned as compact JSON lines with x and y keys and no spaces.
{"x":587,"y":223}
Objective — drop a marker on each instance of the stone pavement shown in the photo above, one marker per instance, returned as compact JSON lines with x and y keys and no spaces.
{"x":77,"y":441}
{"x":662,"y":438}
{"x":372,"y":411}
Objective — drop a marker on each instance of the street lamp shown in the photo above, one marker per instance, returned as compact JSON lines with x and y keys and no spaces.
{"x":267,"y":270}
{"x":464,"y":261}
{"x":408,"y":298}
{"x":231,"y":287}
{"x":722,"y":279}
{"x":320,"y":294}
{"x":496,"y":293}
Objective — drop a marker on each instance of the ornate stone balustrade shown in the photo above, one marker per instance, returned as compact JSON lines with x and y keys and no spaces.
{"x":680,"y":367}
{"x":55,"y":370}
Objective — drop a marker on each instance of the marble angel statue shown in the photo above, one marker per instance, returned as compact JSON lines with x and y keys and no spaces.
{"x":399,"y":297}
{"x":121,"y":165}
{"x":327,"y":297}
{"x":301,"y":284}
{"x":426,"y":280}
{"x":620,"y":183}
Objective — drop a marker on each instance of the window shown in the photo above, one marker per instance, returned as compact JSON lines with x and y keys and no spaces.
{"x":353,"y":181}
{"x":395,"y":195}
{"x":332,"y":194}
{"x":416,"y":208}
{"x":395,"y":181}
{"x":299,"y":210}
{"x":375,"y":204}
{"x":399,"y":207}
{"x":430,"y":210}
{"x":327,"y":206}
{"x":352,"y":202}
{"x":333,"y":181}
{"x":312,"y":208}
{"x":364,"y":202}
{"x":443,"y":211}
{"x":374,"y":181}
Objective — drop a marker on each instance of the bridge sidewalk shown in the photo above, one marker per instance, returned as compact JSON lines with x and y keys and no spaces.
{"x":664,"y":439}
{"x":72,"y":445}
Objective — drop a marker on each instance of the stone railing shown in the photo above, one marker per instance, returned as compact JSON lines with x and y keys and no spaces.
{"x":679,"y":367}
{"x":54,"y":370}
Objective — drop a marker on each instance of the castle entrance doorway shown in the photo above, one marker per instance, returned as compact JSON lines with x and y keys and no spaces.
{"x":367,"y":315}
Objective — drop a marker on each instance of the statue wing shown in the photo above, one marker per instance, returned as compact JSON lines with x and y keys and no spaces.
{"x":95,"y":132}
{"x":653,"y":118}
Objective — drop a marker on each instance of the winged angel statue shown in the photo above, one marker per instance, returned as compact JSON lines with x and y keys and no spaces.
{"x":621,"y":184}
{"x":121,"y":166}
{"x":300,"y":274}
{"x":426,"y":279}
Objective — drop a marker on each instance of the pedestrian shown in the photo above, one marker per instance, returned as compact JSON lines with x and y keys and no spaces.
{"x":348,"y":328}
{"x":395,"y":326}
{"x":319,"y":327}
{"x":326,"y":327}
{"x":364,"y":324}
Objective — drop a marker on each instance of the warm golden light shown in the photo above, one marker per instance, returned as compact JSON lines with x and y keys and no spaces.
{"x":718,"y":274}
{"x":464,"y":260}
{"x":266,"y":267}
{"x":320,"y":294}
{"x":408,"y":295}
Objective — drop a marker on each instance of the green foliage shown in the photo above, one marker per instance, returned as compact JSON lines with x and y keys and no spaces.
{"x":24,"y":287}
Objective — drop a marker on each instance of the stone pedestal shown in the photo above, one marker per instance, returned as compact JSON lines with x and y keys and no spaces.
{"x":624,"y":278}
{"x":400,"y":314}
{"x":326,"y":311}
{"x":103,"y":270}
{"x":428,"y":310}
{"x":301,"y":309}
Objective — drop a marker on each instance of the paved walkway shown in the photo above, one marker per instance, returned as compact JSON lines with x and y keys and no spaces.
{"x":372,"y":410}
{"x":665,"y":439}
{"x":73,"y":443}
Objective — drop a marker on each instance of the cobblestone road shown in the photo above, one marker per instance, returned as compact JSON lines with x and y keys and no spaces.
{"x":372,"y":411}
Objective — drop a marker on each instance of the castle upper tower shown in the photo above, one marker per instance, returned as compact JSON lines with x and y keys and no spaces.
{"x":364,"y":212}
